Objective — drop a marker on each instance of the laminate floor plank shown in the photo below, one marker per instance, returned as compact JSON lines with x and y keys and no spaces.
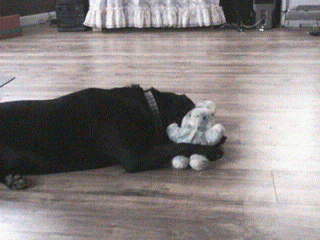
{"x":277,"y":221}
{"x":213,"y":184}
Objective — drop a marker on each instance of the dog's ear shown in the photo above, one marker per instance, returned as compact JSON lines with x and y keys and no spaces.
{"x":173,"y":107}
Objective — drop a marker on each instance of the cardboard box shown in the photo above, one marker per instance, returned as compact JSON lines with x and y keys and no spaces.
{"x":10,"y":26}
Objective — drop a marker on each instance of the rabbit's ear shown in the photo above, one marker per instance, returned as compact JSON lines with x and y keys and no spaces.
{"x":210,"y":105}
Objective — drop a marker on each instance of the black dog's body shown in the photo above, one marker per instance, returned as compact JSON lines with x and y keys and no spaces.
{"x":89,"y":129}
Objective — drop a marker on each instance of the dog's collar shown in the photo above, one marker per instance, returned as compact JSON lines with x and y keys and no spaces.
{"x":154,"y":111}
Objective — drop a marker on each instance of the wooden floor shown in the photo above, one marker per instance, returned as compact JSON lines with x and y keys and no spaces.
{"x":267,"y":87}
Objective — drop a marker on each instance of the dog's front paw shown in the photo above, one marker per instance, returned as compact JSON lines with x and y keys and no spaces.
{"x":15,"y":182}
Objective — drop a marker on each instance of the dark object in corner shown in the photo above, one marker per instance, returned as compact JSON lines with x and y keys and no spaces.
{"x":71,"y":15}
{"x":315,"y":33}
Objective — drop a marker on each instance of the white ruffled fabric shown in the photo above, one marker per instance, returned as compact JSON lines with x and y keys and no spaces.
{"x":154,"y":13}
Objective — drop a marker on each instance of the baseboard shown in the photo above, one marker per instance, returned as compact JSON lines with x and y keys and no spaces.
{"x":298,"y":23}
{"x":37,"y":18}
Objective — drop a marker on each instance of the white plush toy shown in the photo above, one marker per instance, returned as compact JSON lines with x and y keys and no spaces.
{"x":197,"y":127}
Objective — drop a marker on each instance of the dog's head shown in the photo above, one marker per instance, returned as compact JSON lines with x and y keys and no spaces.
{"x":172,"y":107}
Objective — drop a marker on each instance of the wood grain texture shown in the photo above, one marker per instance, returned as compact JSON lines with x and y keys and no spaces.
{"x":281,"y":221}
{"x":266,"y":86}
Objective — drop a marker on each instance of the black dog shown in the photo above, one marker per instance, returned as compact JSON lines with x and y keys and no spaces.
{"x":90,"y":129}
